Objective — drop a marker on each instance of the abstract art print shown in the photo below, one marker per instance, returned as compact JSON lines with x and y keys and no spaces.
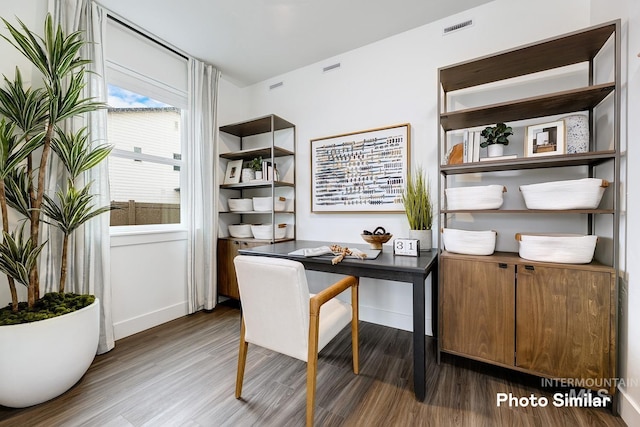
{"x":362,"y":171}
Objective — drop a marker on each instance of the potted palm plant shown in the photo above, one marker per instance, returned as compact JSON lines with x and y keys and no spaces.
{"x":418,"y":207}
{"x":48,"y":341}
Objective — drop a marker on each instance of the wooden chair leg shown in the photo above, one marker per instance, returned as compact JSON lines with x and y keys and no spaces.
{"x":242,"y":361}
{"x":354,"y":328}
{"x":312,"y":366}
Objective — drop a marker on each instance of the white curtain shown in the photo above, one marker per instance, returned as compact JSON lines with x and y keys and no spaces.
{"x":89,"y":269}
{"x":201,"y":201}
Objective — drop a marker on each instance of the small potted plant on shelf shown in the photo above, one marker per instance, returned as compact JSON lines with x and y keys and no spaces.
{"x":418,"y":207}
{"x":496,"y":137}
{"x":256,"y":165}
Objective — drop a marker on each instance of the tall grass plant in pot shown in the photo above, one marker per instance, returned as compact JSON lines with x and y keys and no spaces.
{"x":32,"y":133}
{"x":418,"y":206}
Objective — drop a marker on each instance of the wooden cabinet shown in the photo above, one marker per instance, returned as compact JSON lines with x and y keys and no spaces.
{"x":548,"y":319}
{"x":227,"y":251}
{"x":545,"y":319}
{"x":273,"y":139}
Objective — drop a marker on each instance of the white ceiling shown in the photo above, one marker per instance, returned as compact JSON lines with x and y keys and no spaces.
{"x":254,"y":40}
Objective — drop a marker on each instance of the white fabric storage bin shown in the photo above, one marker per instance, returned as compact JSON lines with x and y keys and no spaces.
{"x":263,"y":231}
{"x":560,"y":248}
{"x":583,"y":193}
{"x":478,"y":197}
{"x":263,"y":204}
{"x":240,"y":205}
{"x":469,"y":242}
{"x":240,"y":230}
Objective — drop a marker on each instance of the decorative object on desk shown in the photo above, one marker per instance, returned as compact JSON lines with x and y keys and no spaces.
{"x":577,"y":129}
{"x":263,"y":204}
{"x":360,"y":171}
{"x":409,"y":247}
{"x":545,"y":139}
{"x":240,"y":230}
{"x":418,"y":207}
{"x":342,"y":252}
{"x":475,"y":198}
{"x":377,"y":238}
{"x":240,"y":205}
{"x":560,"y":248}
{"x":495,"y":138}
{"x":256,"y":165}
{"x":469,"y":242}
{"x":232,"y":175}
{"x":584,"y":193}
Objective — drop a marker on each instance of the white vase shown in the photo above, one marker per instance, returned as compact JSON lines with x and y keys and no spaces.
{"x":425,"y":237}
{"x":577,"y":128}
{"x":41,"y":360}
{"x":247,"y":175}
{"x":258,"y":174}
{"x":495,"y":150}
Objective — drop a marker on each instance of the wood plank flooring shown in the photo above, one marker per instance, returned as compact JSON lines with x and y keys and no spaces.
{"x":182,"y":373}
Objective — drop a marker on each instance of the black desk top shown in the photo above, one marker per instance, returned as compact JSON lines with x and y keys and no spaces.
{"x":385,"y":266}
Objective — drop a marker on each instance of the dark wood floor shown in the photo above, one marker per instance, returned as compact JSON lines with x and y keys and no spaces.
{"x":182,"y":373}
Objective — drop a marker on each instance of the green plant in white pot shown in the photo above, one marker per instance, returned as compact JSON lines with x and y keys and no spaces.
{"x":418,"y":207}
{"x":31,"y":134}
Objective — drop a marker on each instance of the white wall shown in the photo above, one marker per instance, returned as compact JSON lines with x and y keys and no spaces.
{"x":386,"y":83}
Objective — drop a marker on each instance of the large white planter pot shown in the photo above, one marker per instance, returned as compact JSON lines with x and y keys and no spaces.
{"x":42,"y":360}
{"x":425,"y":237}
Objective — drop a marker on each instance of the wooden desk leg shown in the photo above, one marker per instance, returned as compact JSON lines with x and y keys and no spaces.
{"x":418,"y":338}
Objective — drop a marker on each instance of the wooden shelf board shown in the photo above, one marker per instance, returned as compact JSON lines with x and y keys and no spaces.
{"x":245,"y":185}
{"x":529,"y":211}
{"x":568,"y":101}
{"x":256,"y":126}
{"x":572,"y":48}
{"x":578,"y":159}
{"x":265,"y":153}
{"x":255,"y":212}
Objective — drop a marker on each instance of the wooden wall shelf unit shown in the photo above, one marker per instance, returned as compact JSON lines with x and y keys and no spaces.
{"x":547,"y":319}
{"x":274,"y":139}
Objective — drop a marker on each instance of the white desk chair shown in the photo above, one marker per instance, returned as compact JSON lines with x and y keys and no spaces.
{"x":278,"y":313}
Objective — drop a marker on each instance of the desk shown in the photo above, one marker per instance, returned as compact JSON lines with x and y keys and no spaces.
{"x":386,"y":266}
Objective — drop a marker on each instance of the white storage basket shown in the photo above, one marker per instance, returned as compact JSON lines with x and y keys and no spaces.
{"x":479,"y":197}
{"x":560,"y":248}
{"x":263,"y":231}
{"x":469,"y":242}
{"x":263,"y":204}
{"x":240,"y":230}
{"x":240,"y":205}
{"x":573,"y":194}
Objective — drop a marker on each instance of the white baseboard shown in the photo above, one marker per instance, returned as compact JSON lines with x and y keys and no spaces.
{"x":149,"y":320}
{"x":628,"y":409}
{"x":391,"y":319}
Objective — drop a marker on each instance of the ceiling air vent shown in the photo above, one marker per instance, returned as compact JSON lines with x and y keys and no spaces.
{"x":275,"y":85}
{"x":331,"y":67}
{"x":457,"y":27}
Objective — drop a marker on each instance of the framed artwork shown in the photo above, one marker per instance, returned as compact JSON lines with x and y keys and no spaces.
{"x":234,"y":169}
{"x":545,"y":139}
{"x":362,"y":171}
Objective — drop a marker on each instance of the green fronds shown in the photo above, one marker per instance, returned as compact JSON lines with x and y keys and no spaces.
{"x":18,"y":256}
{"x":16,"y":187}
{"x":14,"y":150}
{"x":417,"y":201}
{"x":27,"y":108}
{"x":72,"y":208}
{"x":76,"y":153}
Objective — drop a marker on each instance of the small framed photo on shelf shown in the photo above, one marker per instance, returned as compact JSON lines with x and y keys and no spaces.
{"x":545,"y":139}
{"x":232,"y":175}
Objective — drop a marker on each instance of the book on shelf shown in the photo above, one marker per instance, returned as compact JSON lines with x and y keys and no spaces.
{"x":493,"y":159}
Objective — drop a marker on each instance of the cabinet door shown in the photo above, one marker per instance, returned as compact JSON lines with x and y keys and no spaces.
{"x":563,"y":321}
{"x":478,"y":309}
{"x":227,"y":279}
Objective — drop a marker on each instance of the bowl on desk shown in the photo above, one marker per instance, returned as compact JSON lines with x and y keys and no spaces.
{"x":376,"y":241}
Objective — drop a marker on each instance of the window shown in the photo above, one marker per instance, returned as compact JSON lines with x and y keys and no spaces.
{"x":147,"y":89}
{"x":146,"y":139}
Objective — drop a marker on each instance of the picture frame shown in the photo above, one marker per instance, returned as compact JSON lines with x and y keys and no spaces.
{"x":364,"y":171}
{"x":545,"y":139}
{"x":233,"y":172}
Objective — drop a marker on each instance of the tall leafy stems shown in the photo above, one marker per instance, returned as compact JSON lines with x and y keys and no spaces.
{"x":31,"y":132}
{"x":417,"y":201}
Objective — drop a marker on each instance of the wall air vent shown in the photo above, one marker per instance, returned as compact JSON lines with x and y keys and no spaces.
{"x":457,"y":27}
{"x":275,"y":85}
{"x":331,"y":67}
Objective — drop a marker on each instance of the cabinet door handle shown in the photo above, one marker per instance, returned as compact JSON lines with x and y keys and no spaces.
{"x":502,"y":265}
{"x":529,"y":267}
